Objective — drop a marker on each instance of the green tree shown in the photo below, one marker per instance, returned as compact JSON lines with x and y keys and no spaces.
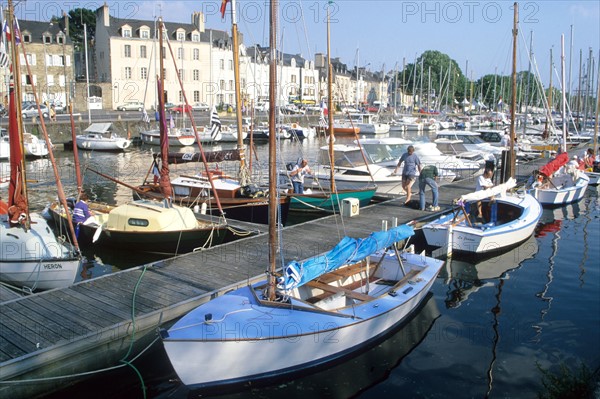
{"x":447,"y":80}
{"x":77,"y":18}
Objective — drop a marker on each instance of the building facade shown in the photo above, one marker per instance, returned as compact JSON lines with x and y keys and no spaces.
{"x":49,"y":55}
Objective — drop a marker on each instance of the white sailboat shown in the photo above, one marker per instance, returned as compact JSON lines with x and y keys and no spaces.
{"x":512,"y":216}
{"x":356,"y":292}
{"x":100,"y":137}
{"x":559,"y":183}
{"x":31,"y":256}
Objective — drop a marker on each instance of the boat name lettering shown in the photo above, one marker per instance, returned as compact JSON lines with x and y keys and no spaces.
{"x":50,"y":266}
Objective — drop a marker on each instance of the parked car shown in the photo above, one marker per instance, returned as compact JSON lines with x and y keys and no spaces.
{"x":200,"y":107}
{"x":59,"y":107}
{"x":32,"y":111}
{"x":131,"y":106}
{"x":169,"y":106}
{"x":182,"y":108}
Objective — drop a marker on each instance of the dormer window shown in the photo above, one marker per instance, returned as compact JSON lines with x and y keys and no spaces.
{"x":180,"y":36}
{"x":47,"y":39}
{"x":26,"y":37}
{"x":126,"y":31}
{"x":195,"y":37}
{"x":144,"y":32}
{"x":60,"y":39}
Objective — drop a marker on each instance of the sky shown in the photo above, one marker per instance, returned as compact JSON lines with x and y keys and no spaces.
{"x":385,"y":34}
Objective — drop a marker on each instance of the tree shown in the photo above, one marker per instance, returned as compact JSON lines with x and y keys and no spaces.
{"x":77,"y":18}
{"x":446,"y":77}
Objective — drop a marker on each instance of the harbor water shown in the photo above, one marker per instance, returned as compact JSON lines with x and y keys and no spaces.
{"x":487,"y":329}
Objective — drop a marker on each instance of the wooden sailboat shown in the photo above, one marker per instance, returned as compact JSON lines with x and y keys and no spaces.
{"x":32,"y":257}
{"x":512,"y":216}
{"x":219,"y":193}
{"x":158,"y":226}
{"x":356,"y":292}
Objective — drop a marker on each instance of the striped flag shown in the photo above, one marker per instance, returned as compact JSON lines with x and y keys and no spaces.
{"x":171,"y":122}
{"x":7,"y":31}
{"x":145,"y":116}
{"x":215,"y":124}
{"x":4,"y":60}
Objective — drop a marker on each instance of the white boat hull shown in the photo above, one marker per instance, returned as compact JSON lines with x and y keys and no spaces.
{"x":563,"y":192}
{"x":284,"y":340}
{"x":153,"y":137}
{"x":481,"y":239}
{"x":102,"y":144}
{"x":35,"y":258}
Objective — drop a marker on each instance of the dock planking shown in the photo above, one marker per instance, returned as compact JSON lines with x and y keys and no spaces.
{"x":38,"y":332}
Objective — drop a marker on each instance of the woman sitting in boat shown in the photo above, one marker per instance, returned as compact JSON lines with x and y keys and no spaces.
{"x":82,"y":211}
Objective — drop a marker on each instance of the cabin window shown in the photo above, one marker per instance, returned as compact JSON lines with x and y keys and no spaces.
{"x":138,"y":222}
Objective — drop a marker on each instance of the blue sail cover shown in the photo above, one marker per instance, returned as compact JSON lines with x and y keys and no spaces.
{"x":347,"y":251}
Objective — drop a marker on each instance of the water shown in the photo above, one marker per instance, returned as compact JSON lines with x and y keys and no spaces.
{"x":483,"y":332}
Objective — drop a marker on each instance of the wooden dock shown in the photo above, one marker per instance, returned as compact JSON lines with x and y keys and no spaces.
{"x":94,"y":324}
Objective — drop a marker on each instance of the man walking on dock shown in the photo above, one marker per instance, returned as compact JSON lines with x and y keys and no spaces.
{"x":412,"y":167}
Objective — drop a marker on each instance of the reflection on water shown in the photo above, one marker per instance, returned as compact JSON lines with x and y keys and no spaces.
{"x":463,"y":278}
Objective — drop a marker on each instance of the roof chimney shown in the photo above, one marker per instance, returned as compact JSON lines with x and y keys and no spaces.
{"x":66,"y":17}
{"x":198,"y":20}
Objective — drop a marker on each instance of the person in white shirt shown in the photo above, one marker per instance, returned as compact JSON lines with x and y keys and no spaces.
{"x":483,"y":183}
{"x":298,"y":174}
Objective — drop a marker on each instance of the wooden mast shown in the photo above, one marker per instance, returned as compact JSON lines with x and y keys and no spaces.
{"x":565,"y":120}
{"x":16,"y":68}
{"x":330,"y":106}
{"x":164,"y":180}
{"x":513,"y":101}
{"x":273,"y":203}
{"x":238,"y":94}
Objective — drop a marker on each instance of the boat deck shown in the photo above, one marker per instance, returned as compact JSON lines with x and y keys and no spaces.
{"x":89,"y":325}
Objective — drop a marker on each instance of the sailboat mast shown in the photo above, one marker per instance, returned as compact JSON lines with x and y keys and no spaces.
{"x":330,"y":106}
{"x":513,"y":101}
{"x":238,"y":88}
{"x":18,"y":177}
{"x":565,"y":120}
{"x":165,"y":181}
{"x":528,"y":81}
{"x":273,"y":205}
{"x":61,"y":194}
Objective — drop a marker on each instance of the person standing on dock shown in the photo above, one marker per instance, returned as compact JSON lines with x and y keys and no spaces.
{"x":412,"y":168}
{"x":297,"y":174}
{"x":428,"y":177}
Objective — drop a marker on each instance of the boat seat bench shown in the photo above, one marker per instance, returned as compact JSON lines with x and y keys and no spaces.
{"x":331,"y":289}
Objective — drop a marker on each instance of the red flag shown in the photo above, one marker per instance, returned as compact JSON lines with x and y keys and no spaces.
{"x":223,"y":8}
